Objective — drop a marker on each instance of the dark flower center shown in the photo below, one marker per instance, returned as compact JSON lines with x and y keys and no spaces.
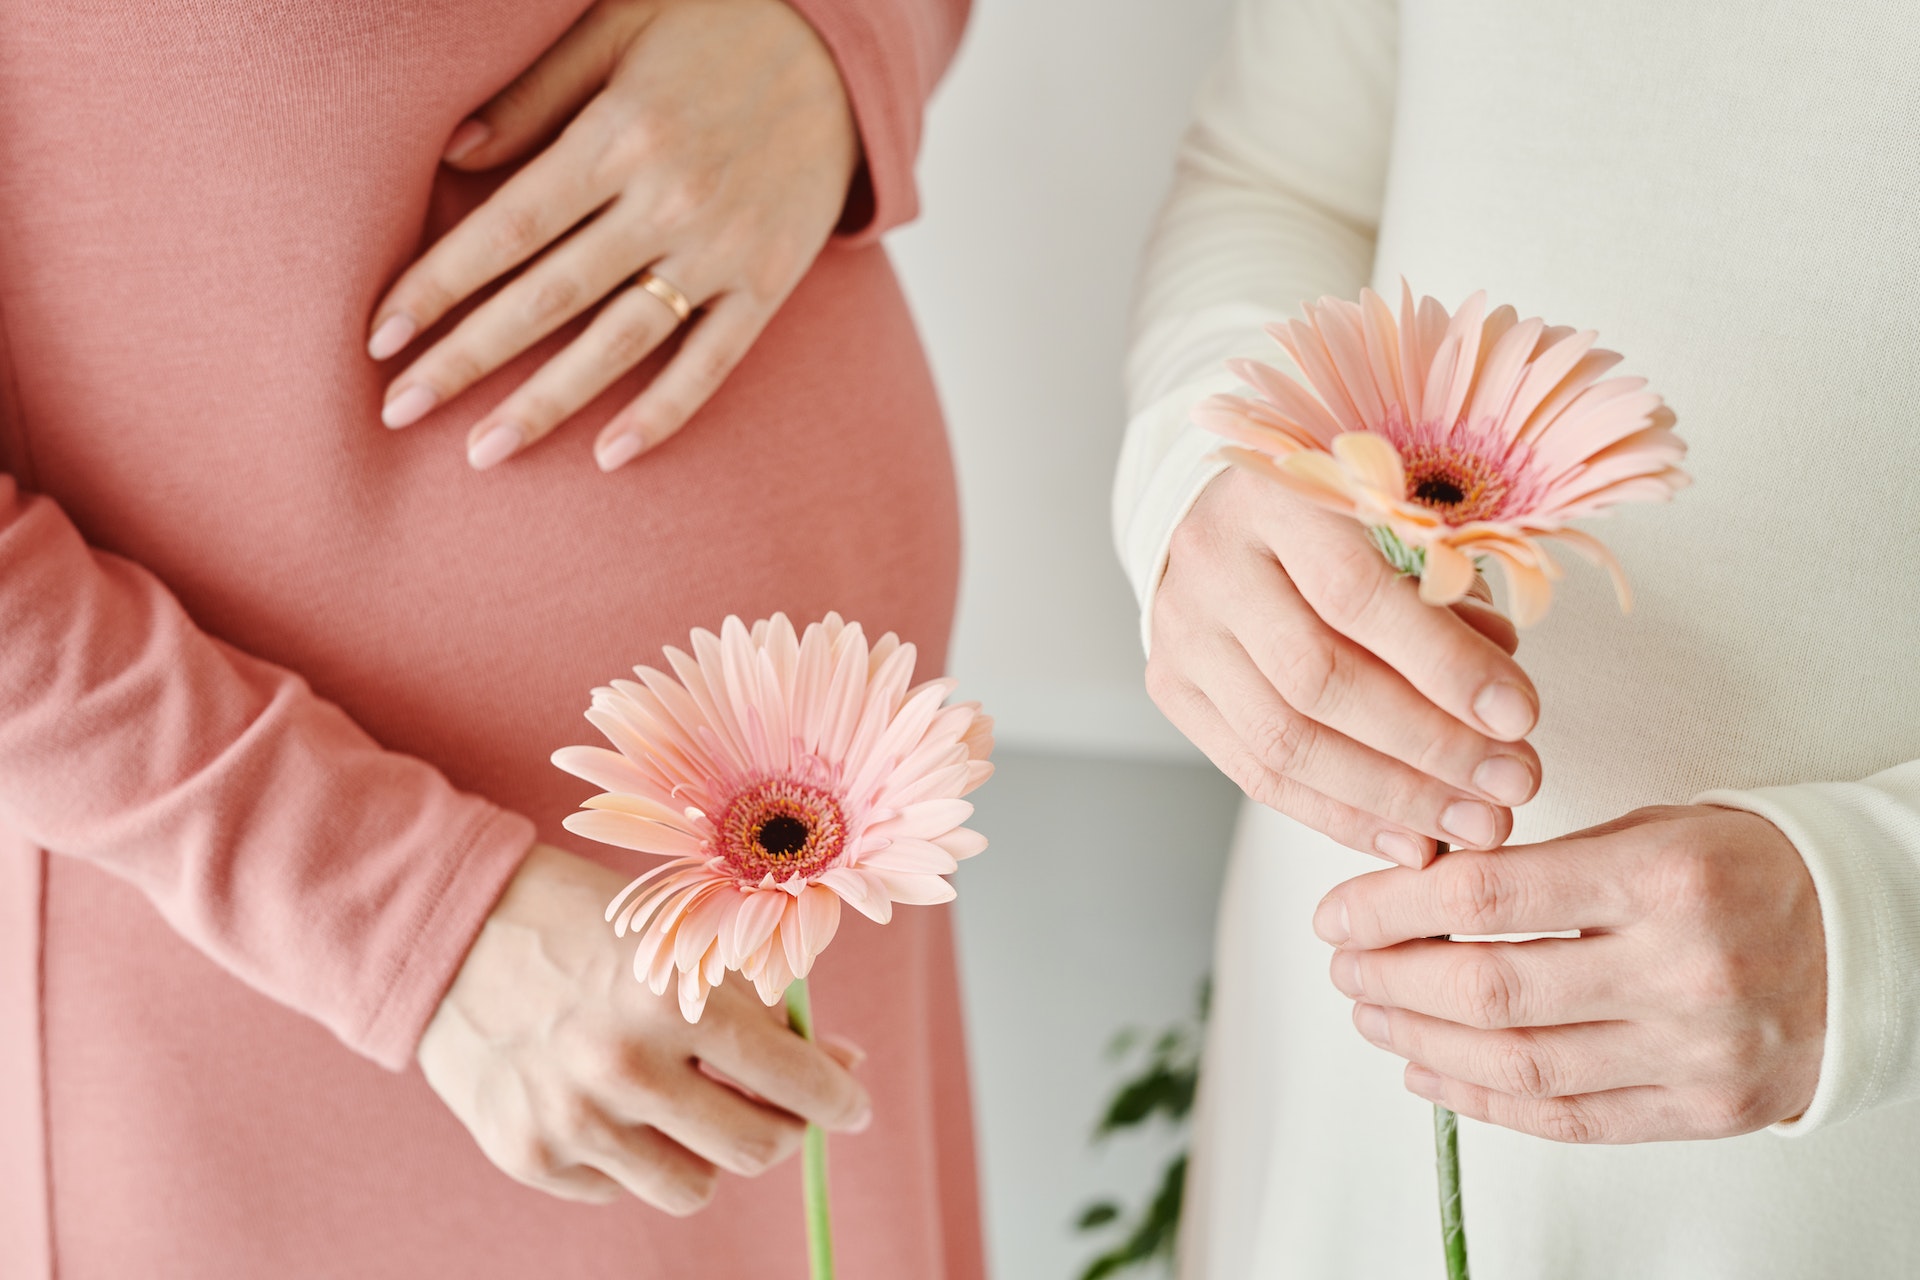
{"x":1435,"y":492}
{"x":1455,"y":483}
{"x":782,"y":836}
{"x":780,"y":827}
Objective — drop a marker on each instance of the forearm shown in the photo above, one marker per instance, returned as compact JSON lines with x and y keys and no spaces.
{"x":1274,"y":202}
{"x":339,"y":878}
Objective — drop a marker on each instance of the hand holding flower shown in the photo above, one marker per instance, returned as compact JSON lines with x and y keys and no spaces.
{"x":1693,"y":1005}
{"x":1309,"y":671}
{"x":577,"y":1080}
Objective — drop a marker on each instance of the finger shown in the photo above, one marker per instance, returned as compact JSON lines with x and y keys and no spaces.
{"x":1333,"y":681}
{"x":1530,"y":1062}
{"x":554,"y":192}
{"x":573,"y":276}
{"x":1542,"y":888}
{"x":789,"y":1072}
{"x":1491,"y":986}
{"x":625,"y":332}
{"x":1315,"y":755}
{"x":718,"y":1123}
{"x":1644,"y":1113}
{"x":1194,"y":714}
{"x":651,"y":1167}
{"x":714,"y":347}
{"x":549,"y":92}
{"x":1489,"y":622}
{"x":1451,"y":663}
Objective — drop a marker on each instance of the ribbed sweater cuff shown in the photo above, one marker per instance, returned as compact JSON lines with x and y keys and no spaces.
{"x":1861,"y":843}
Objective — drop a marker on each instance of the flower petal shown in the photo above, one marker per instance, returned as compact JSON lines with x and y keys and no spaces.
{"x":1448,"y":574}
{"x":1373,"y":461}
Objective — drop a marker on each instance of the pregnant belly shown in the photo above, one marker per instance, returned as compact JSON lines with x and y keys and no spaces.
{"x":464,"y":617}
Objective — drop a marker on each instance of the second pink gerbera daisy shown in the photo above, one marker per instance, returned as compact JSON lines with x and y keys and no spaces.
{"x":782,"y":775}
{"x":1454,"y":438}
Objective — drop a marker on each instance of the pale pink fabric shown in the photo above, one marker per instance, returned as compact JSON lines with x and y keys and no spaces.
{"x":277,"y":686}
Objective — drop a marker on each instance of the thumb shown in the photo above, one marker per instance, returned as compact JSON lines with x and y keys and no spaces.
{"x":550,"y":92}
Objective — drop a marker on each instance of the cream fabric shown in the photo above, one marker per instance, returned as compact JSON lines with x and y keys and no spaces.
{"x":1731,"y":195}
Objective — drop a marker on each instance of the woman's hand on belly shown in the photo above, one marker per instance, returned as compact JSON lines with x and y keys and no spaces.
{"x":1289,"y":651}
{"x":578,"y":1080}
{"x":715,"y":151}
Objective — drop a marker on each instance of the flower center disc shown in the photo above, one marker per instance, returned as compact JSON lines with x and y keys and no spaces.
{"x":1455,"y":484}
{"x":780,"y":828}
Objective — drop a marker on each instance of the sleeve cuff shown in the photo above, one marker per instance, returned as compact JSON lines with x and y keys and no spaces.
{"x":1861,"y":844}
{"x":441,"y":932}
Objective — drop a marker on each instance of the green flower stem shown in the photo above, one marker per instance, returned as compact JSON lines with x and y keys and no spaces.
{"x":1446,"y":1153}
{"x":1453,"y":1227}
{"x":813,"y":1167}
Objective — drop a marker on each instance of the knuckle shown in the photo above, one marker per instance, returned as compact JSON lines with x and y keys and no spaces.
{"x":1520,"y":1068}
{"x":1284,"y":742}
{"x":1190,"y":542}
{"x":686,"y":196}
{"x":1485,"y":991}
{"x":695,"y":1192}
{"x":1571,"y":1121}
{"x":1472,"y":896}
{"x":1354,"y":585}
{"x":457,"y":367}
{"x":1733,"y":1112}
{"x":756,"y":1152}
{"x":1308,"y":674}
{"x":515,"y":231}
{"x":528,"y":1159}
{"x":627,"y":344}
{"x":552,"y":300}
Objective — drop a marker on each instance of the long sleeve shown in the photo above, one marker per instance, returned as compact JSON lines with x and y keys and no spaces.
{"x":338,"y":878}
{"x":1276,"y":200}
{"x":1861,"y":843}
{"x":891,"y":54}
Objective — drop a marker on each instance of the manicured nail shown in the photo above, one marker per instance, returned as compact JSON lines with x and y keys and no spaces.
{"x":849,"y":1052}
{"x":395,"y":332}
{"x":618,"y":452}
{"x":1505,"y":710}
{"x":1423,"y":1083}
{"x":1469,"y":822}
{"x":1345,"y":972}
{"x":1371,"y":1021}
{"x":1330,"y":920}
{"x":496,"y":446}
{"x":409,"y":406}
{"x":862,"y":1121}
{"x":1505,"y":778}
{"x":1401,"y":848}
{"x":466,"y":138}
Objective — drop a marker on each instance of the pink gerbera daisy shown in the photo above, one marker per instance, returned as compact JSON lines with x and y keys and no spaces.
{"x":1454,"y":438}
{"x":781,"y":775}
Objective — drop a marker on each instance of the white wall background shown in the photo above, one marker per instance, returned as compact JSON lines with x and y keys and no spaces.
{"x":1047,"y":154}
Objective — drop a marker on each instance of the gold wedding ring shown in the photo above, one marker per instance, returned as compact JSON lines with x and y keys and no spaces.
{"x":668,"y":293}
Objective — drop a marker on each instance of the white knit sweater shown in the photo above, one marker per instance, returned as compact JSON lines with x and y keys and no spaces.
{"x":1730,"y":193}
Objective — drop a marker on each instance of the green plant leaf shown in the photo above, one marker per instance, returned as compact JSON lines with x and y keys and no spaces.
{"x":1097,"y":1215}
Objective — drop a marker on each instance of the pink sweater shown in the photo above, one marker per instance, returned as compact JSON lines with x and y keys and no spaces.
{"x":277,"y":686}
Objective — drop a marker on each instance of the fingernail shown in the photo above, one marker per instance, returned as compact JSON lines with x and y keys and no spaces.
{"x":1330,"y":920}
{"x":852,"y":1052}
{"x":1468,"y":822}
{"x":1505,"y":778}
{"x":1401,"y":848}
{"x":1371,"y":1021}
{"x":1423,"y":1083}
{"x":1505,"y":710}
{"x":409,"y":406}
{"x":862,"y":1121}
{"x":617,"y":452}
{"x":1345,"y":972}
{"x":395,"y":332}
{"x":468,"y":136}
{"x":496,"y":446}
